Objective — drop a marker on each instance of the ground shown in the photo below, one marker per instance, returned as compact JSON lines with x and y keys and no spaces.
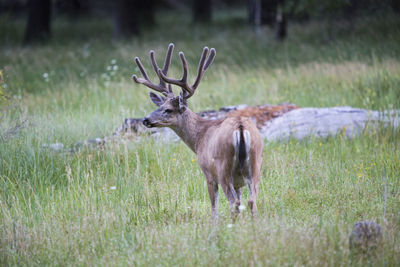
{"x":146,"y":203}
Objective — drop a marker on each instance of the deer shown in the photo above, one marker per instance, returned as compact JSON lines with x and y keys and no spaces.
{"x":229,"y":151}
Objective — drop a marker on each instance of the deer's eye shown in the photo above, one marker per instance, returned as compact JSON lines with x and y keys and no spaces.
{"x":168,"y":111}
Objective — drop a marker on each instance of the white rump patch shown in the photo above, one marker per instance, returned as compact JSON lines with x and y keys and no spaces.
{"x":247,"y":140}
{"x":236,"y":143}
{"x":236,"y":139}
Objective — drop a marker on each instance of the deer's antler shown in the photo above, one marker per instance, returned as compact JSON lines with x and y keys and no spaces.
{"x":205,"y":61}
{"x":162,"y":87}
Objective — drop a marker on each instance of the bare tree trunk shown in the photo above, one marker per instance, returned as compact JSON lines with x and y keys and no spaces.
{"x":146,"y":12}
{"x":251,"y":11}
{"x":281,"y":22}
{"x":268,"y":11}
{"x":125,"y":18}
{"x":202,"y":10}
{"x":396,"y":6}
{"x":38,"y":24}
{"x":254,"y":12}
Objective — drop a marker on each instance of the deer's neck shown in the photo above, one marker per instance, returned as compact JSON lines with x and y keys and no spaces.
{"x":189,"y":128}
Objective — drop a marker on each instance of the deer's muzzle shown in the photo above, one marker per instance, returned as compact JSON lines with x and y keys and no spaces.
{"x":146,"y":122}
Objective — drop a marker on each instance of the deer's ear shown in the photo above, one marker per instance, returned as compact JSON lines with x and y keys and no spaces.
{"x":157,"y":99}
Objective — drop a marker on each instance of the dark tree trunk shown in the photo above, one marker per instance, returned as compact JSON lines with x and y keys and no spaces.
{"x":254,"y":13}
{"x":396,"y":6}
{"x":145,"y":12}
{"x":73,"y":8}
{"x":202,"y":10}
{"x":38,"y":24}
{"x":281,"y":22}
{"x":268,"y":11}
{"x":281,"y":27}
{"x":262,"y":12}
{"x":125,"y":18}
{"x":251,"y":11}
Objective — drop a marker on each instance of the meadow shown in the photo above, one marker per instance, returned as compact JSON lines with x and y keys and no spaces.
{"x":146,"y":203}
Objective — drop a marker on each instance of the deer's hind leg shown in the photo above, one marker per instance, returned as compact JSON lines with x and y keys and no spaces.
{"x":226,"y":180}
{"x":253,"y":182}
{"x":213,"y":193}
{"x":232,"y":197}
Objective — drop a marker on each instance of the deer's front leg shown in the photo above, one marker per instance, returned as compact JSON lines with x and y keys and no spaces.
{"x":212,"y":187}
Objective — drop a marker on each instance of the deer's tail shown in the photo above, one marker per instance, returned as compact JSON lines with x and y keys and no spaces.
{"x":242,"y":142}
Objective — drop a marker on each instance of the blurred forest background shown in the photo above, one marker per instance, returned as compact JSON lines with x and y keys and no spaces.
{"x":131,"y":17}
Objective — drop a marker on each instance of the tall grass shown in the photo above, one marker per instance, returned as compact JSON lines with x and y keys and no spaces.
{"x":146,"y":203}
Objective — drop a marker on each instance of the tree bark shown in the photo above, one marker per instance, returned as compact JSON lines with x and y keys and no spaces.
{"x":38,"y":24}
{"x":324,"y":122}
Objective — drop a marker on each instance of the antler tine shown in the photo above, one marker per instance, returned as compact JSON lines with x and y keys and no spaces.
{"x":183,"y":83}
{"x":162,"y":87}
{"x":155,"y":67}
{"x":167,"y":63}
{"x":205,"y":62}
{"x":168,"y":57}
{"x":210,"y":59}
{"x":185,"y":74}
{"x":141,"y":68}
{"x":145,"y":80}
{"x":200,"y":70}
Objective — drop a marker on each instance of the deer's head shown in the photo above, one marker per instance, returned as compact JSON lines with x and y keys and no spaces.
{"x":170,"y":106}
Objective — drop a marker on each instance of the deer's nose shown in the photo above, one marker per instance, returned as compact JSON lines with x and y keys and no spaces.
{"x":146,"y":122}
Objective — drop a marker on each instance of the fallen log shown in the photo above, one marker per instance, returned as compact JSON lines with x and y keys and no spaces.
{"x":324,"y":122}
{"x":276,"y":123}
{"x":287,"y":121}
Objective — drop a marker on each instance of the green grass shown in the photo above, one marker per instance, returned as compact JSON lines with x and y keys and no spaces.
{"x":146,"y":203}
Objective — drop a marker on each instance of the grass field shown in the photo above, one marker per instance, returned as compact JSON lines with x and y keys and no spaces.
{"x":146,"y":203}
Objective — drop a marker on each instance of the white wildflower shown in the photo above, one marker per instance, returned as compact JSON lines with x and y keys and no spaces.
{"x":229,"y":225}
{"x":242,"y":207}
{"x":115,"y":67}
{"x":113,"y":61}
{"x":113,"y":187}
{"x":109,"y":67}
{"x":105,"y":76}
{"x":45,"y":75}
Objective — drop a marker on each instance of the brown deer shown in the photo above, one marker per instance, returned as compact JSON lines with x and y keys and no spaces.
{"x":229,"y":151}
